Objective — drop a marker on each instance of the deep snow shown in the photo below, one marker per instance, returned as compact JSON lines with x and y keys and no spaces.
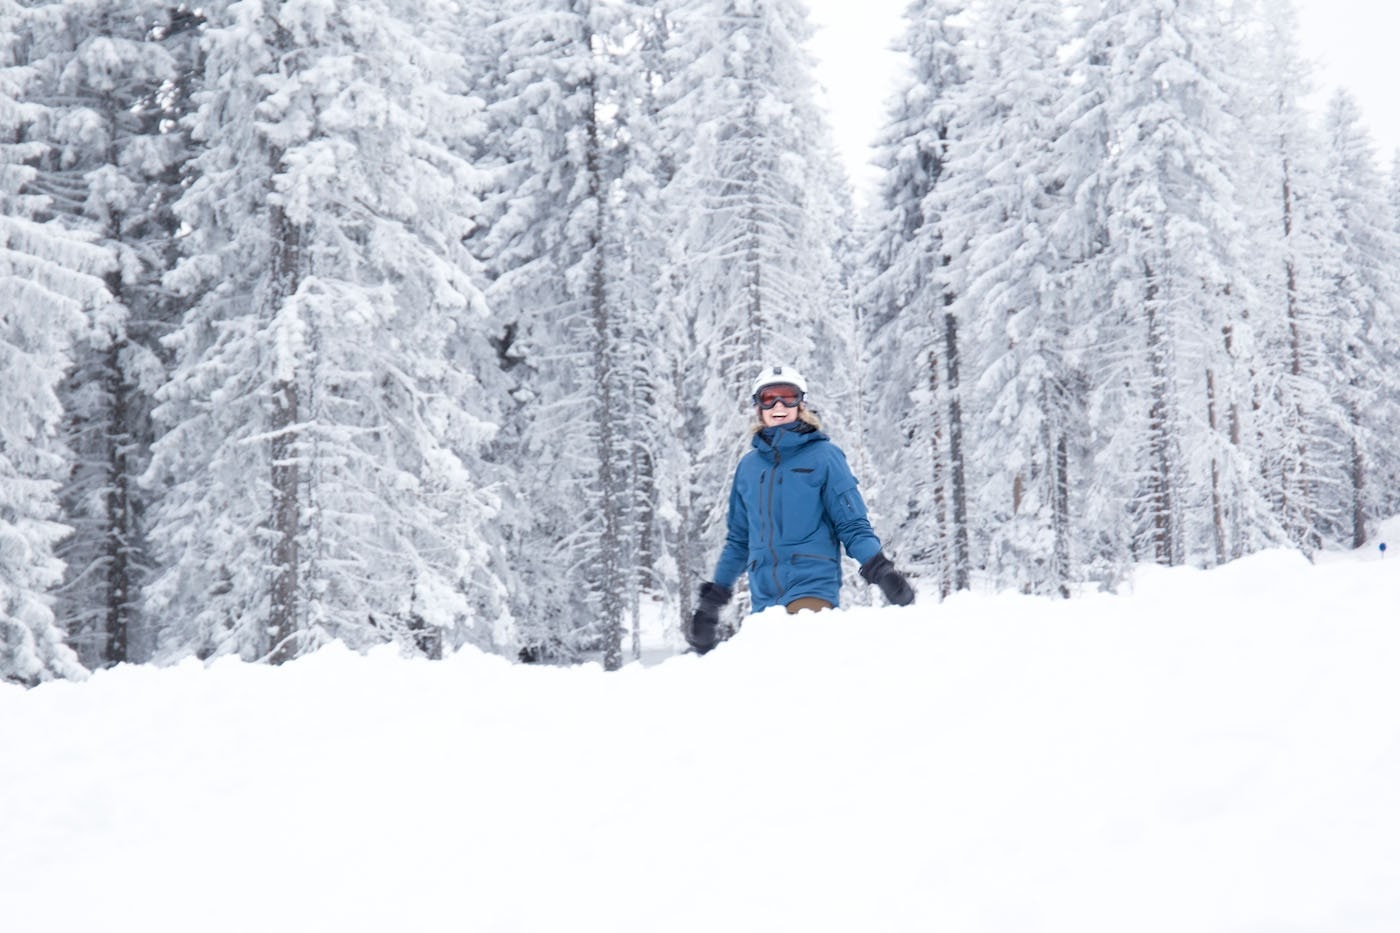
{"x":1212,"y":751}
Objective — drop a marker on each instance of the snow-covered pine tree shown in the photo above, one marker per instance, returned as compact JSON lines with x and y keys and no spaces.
{"x":109,"y":75}
{"x":1170,"y":342}
{"x":908,"y":322}
{"x":1394,"y":189}
{"x":597,"y":276}
{"x":321,"y":468}
{"x":539,"y":102}
{"x":1363,"y":303}
{"x":570,"y":243}
{"x":1294,"y":410}
{"x":649,"y":334}
{"x":1000,"y":199}
{"x":752,"y":256}
{"x":50,"y":281}
{"x":1388,"y":484}
{"x":670,"y":358}
{"x":1081,"y":234}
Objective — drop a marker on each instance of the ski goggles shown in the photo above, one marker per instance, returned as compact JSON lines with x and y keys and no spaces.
{"x":787,"y":396}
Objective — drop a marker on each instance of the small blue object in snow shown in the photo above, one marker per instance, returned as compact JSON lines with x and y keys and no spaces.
{"x":1382,"y":548}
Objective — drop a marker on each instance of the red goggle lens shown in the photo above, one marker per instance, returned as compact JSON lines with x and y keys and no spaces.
{"x":768,"y":398}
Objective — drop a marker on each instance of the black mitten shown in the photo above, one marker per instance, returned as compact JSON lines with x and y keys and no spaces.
{"x":880,"y":571}
{"x":703,"y":631}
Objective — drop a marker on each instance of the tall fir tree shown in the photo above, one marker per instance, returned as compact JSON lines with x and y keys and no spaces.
{"x":1173,"y":274}
{"x":51,"y":282}
{"x":908,"y":321}
{"x":643,"y":162}
{"x":1081,"y":151}
{"x":111,"y":74}
{"x":565,"y":280}
{"x":322,"y":465}
{"x":1394,"y":190}
{"x":1001,"y":202}
{"x":1293,"y":406}
{"x":1363,"y":303}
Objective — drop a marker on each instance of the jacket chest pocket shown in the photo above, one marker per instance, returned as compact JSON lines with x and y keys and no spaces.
{"x":799,"y":496}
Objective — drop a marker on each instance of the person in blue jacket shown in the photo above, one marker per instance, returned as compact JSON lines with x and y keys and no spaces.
{"x":793,"y":505}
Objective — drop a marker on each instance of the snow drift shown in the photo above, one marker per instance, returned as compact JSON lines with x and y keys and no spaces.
{"x":1211,"y":751}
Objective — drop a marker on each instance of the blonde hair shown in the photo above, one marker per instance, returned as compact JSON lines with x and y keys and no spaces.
{"x":804,"y":414}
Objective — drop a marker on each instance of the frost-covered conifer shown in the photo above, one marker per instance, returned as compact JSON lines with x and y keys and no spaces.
{"x":550,"y":246}
{"x":649,"y":333}
{"x":50,"y":281}
{"x":1291,"y":400}
{"x":322,"y":467}
{"x":1394,"y":189}
{"x":109,"y":75}
{"x":1169,"y":349}
{"x":1000,"y":202}
{"x":908,"y":323}
{"x":1364,"y":311}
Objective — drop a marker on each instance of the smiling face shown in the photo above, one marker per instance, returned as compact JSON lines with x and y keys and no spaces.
{"x":778,"y":404}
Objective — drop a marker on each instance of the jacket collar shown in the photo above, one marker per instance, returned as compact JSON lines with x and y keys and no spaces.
{"x":785,"y":438}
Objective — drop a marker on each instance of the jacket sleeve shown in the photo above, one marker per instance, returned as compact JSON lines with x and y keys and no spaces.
{"x":735,"y":555}
{"x":844,"y":506}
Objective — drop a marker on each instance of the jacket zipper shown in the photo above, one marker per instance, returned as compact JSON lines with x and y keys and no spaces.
{"x":772,"y":519}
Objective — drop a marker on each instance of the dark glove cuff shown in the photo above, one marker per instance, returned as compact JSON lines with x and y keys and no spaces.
{"x":712,"y":594}
{"x":875,"y":568}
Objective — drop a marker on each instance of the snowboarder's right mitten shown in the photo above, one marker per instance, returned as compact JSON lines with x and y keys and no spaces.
{"x":703,"y":633}
{"x":880,"y":571}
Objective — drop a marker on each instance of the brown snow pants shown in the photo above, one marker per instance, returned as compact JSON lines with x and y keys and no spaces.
{"x":807,"y":602}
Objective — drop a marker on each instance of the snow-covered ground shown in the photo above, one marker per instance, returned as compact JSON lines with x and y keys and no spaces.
{"x":1214,"y":751}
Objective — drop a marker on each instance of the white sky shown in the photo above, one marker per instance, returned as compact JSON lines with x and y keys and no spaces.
{"x":1350,"y":41}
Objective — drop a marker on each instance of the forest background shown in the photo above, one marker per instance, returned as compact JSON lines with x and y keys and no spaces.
{"x":430,"y":323}
{"x":1343,"y":45}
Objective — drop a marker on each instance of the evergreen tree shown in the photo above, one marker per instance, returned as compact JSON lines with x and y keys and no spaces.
{"x":643,"y":162}
{"x":1080,"y":153}
{"x":1293,"y":405}
{"x":908,"y":319}
{"x":1001,"y":199}
{"x":322,"y":461}
{"x":552,"y":256}
{"x":50,"y":282}
{"x":110,"y":74}
{"x":1394,"y":189}
{"x":1362,"y":301}
{"x":1176,"y":285}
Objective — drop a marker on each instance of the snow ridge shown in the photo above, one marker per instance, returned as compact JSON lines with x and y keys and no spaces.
{"x":1212,"y":751}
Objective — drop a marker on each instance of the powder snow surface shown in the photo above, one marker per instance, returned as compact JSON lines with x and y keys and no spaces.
{"x":1210,"y":751}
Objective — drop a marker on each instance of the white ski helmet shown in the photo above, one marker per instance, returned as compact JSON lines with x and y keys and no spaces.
{"x":779,"y":376}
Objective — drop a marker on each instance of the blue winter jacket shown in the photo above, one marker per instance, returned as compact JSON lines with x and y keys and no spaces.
{"x":793,"y":503}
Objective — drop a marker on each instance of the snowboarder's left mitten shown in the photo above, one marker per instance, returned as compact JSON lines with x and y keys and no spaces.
{"x":703,"y":631}
{"x":880,"y":571}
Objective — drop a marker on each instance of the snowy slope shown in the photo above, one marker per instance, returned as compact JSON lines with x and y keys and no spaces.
{"x":1214,"y":751}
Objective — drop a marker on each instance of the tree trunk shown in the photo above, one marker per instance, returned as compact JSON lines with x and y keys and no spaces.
{"x":608,"y":569}
{"x":1296,"y":497}
{"x":1060,"y":513}
{"x":1358,"y":484}
{"x":284,"y":613}
{"x":939,"y":476}
{"x":1161,"y":500}
{"x":1217,"y":510}
{"x":962,"y":559}
{"x":118,"y":539}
